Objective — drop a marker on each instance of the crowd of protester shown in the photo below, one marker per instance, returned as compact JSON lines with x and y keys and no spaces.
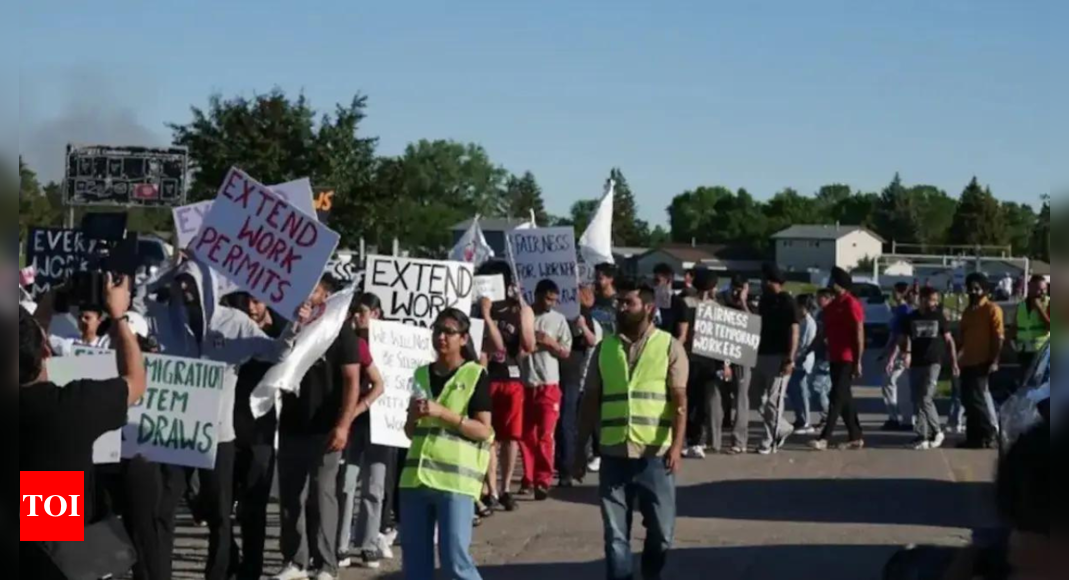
{"x":617,"y":391}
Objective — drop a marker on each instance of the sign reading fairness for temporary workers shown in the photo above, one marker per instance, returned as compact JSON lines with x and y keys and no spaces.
{"x":398,"y":350}
{"x":547,"y":254}
{"x":417,"y":291}
{"x":264,"y":244}
{"x":726,"y":335}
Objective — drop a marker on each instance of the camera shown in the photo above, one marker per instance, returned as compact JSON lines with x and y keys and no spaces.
{"x":114,"y":252}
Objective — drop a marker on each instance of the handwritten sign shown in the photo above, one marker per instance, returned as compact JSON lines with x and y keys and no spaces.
{"x":547,"y":254}
{"x":726,"y":335}
{"x":188,"y":219}
{"x":176,"y":421}
{"x":324,"y":202}
{"x":417,"y":291}
{"x":64,"y":370}
{"x":492,"y":287}
{"x":263,"y":244}
{"x":56,"y":254}
{"x":398,"y":350}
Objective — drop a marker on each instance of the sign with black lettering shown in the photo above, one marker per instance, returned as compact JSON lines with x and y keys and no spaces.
{"x":547,"y":254}
{"x":56,"y":254}
{"x":415,"y":291}
{"x":726,"y":335}
{"x":126,"y":176}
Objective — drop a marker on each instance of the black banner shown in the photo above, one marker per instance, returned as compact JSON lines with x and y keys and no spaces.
{"x":55,"y":255}
{"x":126,"y":176}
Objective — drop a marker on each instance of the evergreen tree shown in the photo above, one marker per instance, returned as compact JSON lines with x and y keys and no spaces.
{"x":1040,"y":248}
{"x":627,"y":229}
{"x":979,"y":220}
{"x":522,"y":196}
{"x":897,"y":214}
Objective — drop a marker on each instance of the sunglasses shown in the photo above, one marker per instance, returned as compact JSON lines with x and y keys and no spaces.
{"x":445,"y":330}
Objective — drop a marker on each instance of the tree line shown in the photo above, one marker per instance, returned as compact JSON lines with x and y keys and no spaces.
{"x":417,"y":196}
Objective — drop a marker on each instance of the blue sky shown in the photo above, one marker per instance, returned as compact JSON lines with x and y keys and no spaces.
{"x":759,"y":94}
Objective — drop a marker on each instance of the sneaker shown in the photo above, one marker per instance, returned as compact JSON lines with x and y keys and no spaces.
{"x":940,"y":438}
{"x":594,"y":466}
{"x":784,"y":437}
{"x":765,"y":451}
{"x":492,"y":503}
{"x":324,"y":576}
{"x":525,"y":490}
{"x":736,"y":450}
{"x":541,"y":493}
{"x":694,"y":452}
{"x":806,"y":430}
{"x":892,"y":425}
{"x":345,"y":561}
{"x":390,"y":538}
{"x":853,"y":445}
{"x":509,"y":503}
{"x":371,"y":559}
{"x":291,"y":572}
{"x":922,"y":445}
{"x":818,"y":445}
{"x":382,"y":544}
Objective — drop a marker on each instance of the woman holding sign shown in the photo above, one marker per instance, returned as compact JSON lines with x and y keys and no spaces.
{"x":449,"y":424}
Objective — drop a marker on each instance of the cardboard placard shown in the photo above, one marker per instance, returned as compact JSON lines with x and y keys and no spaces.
{"x":263,"y":244}
{"x":176,"y":422}
{"x":492,"y":287}
{"x":416,"y":291}
{"x":727,"y":335}
{"x":65,"y":370}
{"x":398,"y":350}
{"x":547,"y":254}
{"x":56,"y":254}
{"x":188,"y":219}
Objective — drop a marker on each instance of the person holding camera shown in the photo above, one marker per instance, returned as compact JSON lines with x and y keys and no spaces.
{"x":58,"y":425}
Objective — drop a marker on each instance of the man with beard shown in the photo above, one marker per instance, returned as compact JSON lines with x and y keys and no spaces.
{"x":636,"y":394}
{"x":982,"y":337}
{"x":1033,"y":323}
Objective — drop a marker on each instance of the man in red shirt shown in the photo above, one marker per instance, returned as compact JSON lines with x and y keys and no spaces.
{"x":844,"y":327}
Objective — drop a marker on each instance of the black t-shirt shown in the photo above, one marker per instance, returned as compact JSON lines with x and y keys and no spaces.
{"x":58,"y":425}
{"x":505,"y":366}
{"x":249,"y":430}
{"x":927,"y":333}
{"x":315,"y":411}
{"x":778,"y":313}
{"x":480,"y":399}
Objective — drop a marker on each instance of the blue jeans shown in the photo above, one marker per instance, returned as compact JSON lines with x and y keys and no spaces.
{"x":421,"y":511}
{"x":957,"y":409}
{"x":820,"y":384}
{"x":798,"y":393}
{"x":646,"y":484}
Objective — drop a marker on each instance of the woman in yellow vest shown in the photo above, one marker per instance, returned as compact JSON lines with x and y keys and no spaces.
{"x":449,"y":424}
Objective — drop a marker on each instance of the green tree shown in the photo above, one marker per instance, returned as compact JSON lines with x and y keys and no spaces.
{"x":743,"y":221}
{"x":935,"y":213}
{"x":897,"y":214}
{"x":978,"y":220}
{"x":1021,"y":221}
{"x":627,"y":229}
{"x":659,"y":237}
{"x":1040,"y":246}
{"x":523,"y":196}
{"x":581,"y":213}
{"x":788,"y":208}
{"x":857,"y":210}
{"x":36,"y":206}
{"x":829,"y":197}
{"x":693,"y":215}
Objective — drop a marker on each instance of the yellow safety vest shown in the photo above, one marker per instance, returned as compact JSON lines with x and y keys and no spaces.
{"x":1032,"y":332}
{"x":441,"y":458}
{"x":634,"y":403}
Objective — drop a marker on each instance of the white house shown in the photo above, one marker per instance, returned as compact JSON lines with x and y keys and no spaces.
{"x":803,"y":248}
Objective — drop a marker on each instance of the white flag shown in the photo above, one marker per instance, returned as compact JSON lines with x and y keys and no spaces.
{"x":595,"y":246}
{"x":472,"y":247}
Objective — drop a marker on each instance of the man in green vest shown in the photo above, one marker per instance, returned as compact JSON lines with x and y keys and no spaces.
{"x":1033,"y":322}
{"x":636,"y":397}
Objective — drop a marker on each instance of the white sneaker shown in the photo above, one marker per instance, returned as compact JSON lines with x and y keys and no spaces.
{"x":324,"y":576}
{"x":594,"y":466}
{"x":923,"y":446}
{"x":291,"y":572}
{"x":344,"y":563}
{"x":383,"y":545}
{"x":694,"y":453}
{"x":940,"y":438}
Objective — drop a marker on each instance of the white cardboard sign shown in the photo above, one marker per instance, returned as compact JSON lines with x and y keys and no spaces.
{"x":398,"y":350}
{"x":547,"y":254}
{"x":189,"y":218}
{"x":492,"y":287}
{"x":416,"y":291}
{"x":263,"y":244}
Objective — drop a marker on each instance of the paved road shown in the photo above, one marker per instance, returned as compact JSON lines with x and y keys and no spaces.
{"x":799,"y":514}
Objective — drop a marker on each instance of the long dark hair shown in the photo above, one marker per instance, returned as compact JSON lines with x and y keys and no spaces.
{"x":464,"y":326}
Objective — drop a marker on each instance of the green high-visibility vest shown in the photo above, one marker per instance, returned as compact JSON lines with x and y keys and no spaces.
{"x":440,"y":457}
{"x":634,"y":404}
{"x":1032,"y":332}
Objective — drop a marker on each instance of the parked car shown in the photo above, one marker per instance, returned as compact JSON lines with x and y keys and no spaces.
{"x":1021,"y":411}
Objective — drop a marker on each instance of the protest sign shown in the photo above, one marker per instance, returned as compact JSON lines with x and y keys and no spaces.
{"x":492,"y":287}
{"x":547,"y":254}
{"x":188,"y":219}
{"x":126,"y":176}
{"x":176,"y":421}
{"x":264,"y":244}
{"x":398,"y":350}
{"x":727,"y":335}
{"x":55,"y":254}
{"x":65,"y":370}
{"x":324,"y":202}
{"x":417,"y":291}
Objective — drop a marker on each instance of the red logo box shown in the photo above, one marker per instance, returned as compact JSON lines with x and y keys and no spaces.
{"x":53,"y":506}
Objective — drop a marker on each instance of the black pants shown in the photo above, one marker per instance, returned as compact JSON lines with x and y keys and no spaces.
{"x":701,"y":375}
{"x":1025,"y":360}
{"x":842,"y":402}
{"x":254,"y":469}
{"x":568,"y":431}
{"x":979,"y":429}
{"x":217,"y":501}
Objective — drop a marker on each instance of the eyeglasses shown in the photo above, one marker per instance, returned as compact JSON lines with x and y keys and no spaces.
{"x":440,"y":330}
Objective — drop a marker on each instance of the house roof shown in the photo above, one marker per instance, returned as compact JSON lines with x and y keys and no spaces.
{"x":492,"y":224}
{"x":700,"y":253}
{"x":1040,"y":268}
{"x":822,"y":232}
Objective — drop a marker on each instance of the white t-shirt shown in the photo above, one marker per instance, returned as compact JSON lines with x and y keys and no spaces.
{"x":65,"y":346}
{"x":542,"y":368}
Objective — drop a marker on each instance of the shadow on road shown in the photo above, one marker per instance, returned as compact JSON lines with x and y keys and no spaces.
{"x":747,"y":563}
{"x":913,"y":502}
